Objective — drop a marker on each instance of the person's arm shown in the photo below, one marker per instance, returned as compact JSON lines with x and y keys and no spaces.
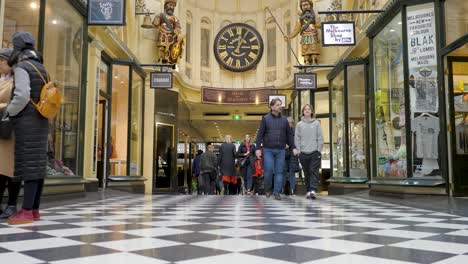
{"x":290,"y":136}
{"x":297,"y":137}
{"x":319,"y":137}
{"x":261,"y":132}
{"x":22,"y":92}
{"x":240,"y":153}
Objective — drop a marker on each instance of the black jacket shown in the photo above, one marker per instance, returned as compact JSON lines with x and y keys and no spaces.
{"x":227,"y":159}
{"x":275,"y":132}
{"x":250,"y":158}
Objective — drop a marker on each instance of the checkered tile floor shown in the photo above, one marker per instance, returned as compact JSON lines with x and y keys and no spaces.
{"x":236,"y":229}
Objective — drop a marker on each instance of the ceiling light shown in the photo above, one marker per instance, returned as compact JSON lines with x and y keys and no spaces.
{"x":33,"y":5}
{"x":122,"y":82}
{"x":55,"y":22}
{"x":116,"y":77}
{"x":392,"y":30}
{"x":399,"y":23}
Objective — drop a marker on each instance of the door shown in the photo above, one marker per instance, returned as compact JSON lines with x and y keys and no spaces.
{"x":458,"y":117}
{"x":102,"y":151}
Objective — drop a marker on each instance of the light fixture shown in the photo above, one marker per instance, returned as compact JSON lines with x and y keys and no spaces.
{"x":34,"y":5}
{"x":116,"y":77}
{"x":392,"y":30}
{"x":399,"y":23}
{"x":55,"y":22}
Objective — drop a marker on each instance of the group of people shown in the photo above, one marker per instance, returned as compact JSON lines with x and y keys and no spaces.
{"x":22,"y":77}
{"x":279,"y":149}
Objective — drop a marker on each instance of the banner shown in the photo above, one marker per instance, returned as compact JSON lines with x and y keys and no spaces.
{"x":212,"y":95}
{"x":106,"y":12}
{"x":338,"y":34}
{"x":161,"y":80}
{"x":305,"y":81}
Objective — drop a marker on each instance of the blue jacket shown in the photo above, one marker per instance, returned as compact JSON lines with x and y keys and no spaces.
{"x":275,"y":132}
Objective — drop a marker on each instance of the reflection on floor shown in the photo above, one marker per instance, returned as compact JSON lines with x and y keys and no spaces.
{"x":236,"y":229}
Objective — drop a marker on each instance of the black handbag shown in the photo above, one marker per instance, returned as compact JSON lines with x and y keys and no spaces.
{"x":6,"y":127}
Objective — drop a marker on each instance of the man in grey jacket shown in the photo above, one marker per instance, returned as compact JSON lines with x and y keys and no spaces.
{"x":309,"y":141}
{"x":208,"y":170}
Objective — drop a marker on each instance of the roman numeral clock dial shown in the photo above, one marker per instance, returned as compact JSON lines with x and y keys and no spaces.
{"x":238,"y":47}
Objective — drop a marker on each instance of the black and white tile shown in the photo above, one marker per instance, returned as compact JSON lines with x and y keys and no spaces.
{"x":236,"y":229}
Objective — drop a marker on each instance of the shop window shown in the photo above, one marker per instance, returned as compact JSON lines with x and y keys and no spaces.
{"x":136,"y":126}
{"x":456,"y":24}
{"x":305,"y":97}
{"x":63,"y":60}
{"x":205,"y":42}
{"x":20,"y":15}
{"x":271,"y":47}
{"x":322,"y":103}
{"x":390,"y":125}
{"x":119,"y":124}
{"x":338,"y":126}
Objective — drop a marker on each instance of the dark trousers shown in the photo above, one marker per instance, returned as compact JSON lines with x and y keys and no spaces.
{"x":13,"y":189}
{"x":311,"y":166}
{"x":209,"y":182}
{"x":254,"y":185}
{"x":32,"y":194}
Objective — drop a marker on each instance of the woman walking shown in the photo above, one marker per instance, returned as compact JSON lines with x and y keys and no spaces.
{"x":246,"y":158}
{"x":309,"y":141}
{"x":30,"y":127}
{"x":7,"y":146}
{"x":227,"y":165}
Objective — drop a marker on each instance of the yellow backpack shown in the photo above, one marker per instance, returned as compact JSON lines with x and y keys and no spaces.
{"x":50,"y":98}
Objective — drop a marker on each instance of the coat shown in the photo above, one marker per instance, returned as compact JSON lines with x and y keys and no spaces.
{"x":30,"y":127}
{"x":7,"y":146}
{"x":227,"y":159}
{"x":250,"y":158}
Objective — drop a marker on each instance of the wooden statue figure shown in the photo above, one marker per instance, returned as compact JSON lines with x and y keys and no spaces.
{"x":170,"y":42}
{"x":307,"y":27}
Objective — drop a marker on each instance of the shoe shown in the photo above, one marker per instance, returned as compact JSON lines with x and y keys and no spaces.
{"x":222,"y":191}
{"x":292,"y":193}
{"x":268,"y":195}
{"x":36,"y":215}
{"x":22,"y":217}
{"x":308,"y":195}
{"x":313,"y":195}
{"x":9,"y":211}
{"x":277,"y":196}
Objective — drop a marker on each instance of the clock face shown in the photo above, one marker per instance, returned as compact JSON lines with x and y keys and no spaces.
{"x":238,"y":47}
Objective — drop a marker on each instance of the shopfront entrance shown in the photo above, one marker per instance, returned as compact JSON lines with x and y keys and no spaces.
{"x":457,"y":90}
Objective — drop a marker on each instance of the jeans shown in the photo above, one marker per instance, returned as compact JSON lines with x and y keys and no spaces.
{"x":273,"y":162}
{"x":311,"y":166}
{"x":247,"y":172}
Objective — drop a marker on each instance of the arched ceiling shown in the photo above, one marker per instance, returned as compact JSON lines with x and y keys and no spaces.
{"x":236,"y":6}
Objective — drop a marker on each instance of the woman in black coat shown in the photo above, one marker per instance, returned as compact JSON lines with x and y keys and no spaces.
{"x":246,"y":159}
{"x":227,"y":165}
{"x":30,"y":127}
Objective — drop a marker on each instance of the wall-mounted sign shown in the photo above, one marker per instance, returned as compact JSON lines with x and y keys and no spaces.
{"x":338,"y":34}
{"x":212,"y":95}
{"x":161,"y":80}
{"x":106,"y":12}
{"x":305,"y":81}
{"x":282,"y":97}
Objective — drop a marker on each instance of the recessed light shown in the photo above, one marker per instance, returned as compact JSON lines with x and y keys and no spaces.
{"x":116,"y":77}
{"x":392,"y":30}
{"x":399,"y":23}
{"x":34,"y":5}
{"x":55,"y":22}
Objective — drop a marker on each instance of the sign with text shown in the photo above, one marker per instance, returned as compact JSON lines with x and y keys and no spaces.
{"x":304,"y":81}
{"x":106,"y":12}
{"x":233,"y":96}
{"x":338,"y":34}
{"x":421,"y":38}
{"x":161,"y":80}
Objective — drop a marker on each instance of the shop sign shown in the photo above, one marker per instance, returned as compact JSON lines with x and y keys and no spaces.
{"x":338,"y":34}
{"x":233,"y":96}
{"x":106,"y":12}
{"x":161,"y":80}
{"x":304,"y":81}
{"x":421,"y":38}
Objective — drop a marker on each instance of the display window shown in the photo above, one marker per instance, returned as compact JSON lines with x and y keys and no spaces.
{"x":390,"y":110}
{"x":136,"y":125}
{"x":456,"y":19}
{"x":20,"y":15}
{"x":338,"y":139}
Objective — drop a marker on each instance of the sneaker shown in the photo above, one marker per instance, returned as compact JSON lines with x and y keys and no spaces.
{"x":36,"y":214}
{"x":277,"y":196}
{"x":292,"y":193}
{"x":22,"y":217}
{"x":268,"y":195}
{"x":313,"y":195}
{"x":9,"y":211}
{"x":308,"y":195}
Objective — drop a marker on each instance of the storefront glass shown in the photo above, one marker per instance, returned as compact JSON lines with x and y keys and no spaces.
{"x":136,"y":125}
{"x":456,"y":19}
{"x":356,"y":85}
{"x":305,"y":99}
{"x":389,"y":95}
{"x":322,"y":112}
{"x":20,"y":15}
{"x":63,"y":60}
{"x":119,"y":121}
{"x":338,"y":125}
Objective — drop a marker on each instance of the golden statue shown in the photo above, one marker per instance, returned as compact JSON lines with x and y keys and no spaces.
{"x":307,"y":27}
{"x":170,"y":42}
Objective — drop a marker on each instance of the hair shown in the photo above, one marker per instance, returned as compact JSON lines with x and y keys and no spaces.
{"x":274,"y":101}
{"x":311,"y":108}
{"x":250,"y":137}
{"x":228,"y":139}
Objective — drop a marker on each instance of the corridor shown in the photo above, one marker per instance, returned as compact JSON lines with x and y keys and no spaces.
{"x":235,"y":229}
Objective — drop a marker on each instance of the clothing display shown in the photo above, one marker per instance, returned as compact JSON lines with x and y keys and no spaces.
{"x":425,"y":84}
{"x":427,"y":131}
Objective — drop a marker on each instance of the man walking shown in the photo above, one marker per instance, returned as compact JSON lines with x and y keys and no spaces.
{"x":275,"y":134}
{"x":208,"y":170}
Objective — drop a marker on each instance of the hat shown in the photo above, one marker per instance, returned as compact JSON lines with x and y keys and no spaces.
{"x":5,"y":53}
{"x":22,"y":40}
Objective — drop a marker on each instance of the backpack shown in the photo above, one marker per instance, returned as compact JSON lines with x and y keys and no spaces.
{"x":50,"y":98}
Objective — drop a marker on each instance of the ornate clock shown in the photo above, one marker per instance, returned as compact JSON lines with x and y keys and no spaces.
{"x":238,"y":47}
